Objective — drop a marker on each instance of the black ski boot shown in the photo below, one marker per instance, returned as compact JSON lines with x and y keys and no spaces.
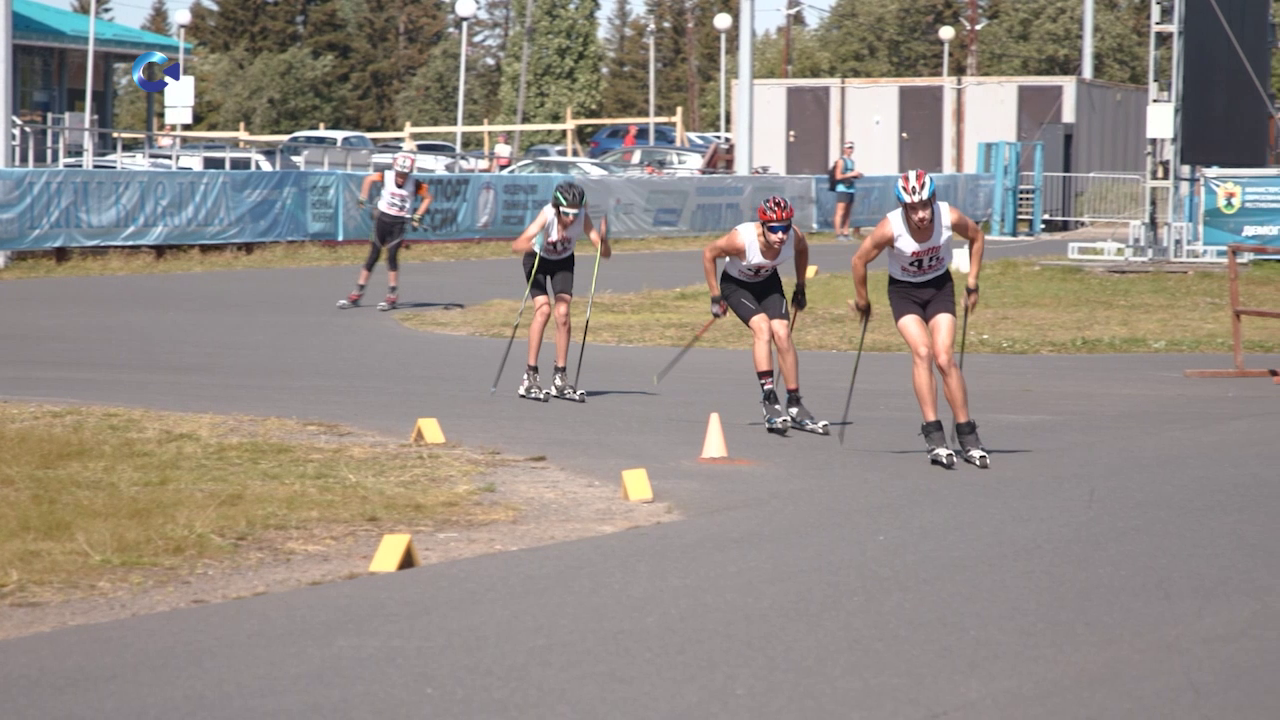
{"x":776,"y":420}
{"x":970,"y":446}
{"x":936,"y":438}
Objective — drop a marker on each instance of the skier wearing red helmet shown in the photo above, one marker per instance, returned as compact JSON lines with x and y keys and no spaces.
{"x":751,"y":286}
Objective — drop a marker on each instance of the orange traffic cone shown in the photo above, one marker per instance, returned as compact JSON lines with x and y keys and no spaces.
{"x":714,"y":446}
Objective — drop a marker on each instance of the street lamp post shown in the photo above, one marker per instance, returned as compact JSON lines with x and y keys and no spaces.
{"x":652,"y":72}
{"x":722,"y":23}
{"x":465,"y":9}
{"x":946,"y":34}
{"x":181,"y":18}
{"x":88,"y":89}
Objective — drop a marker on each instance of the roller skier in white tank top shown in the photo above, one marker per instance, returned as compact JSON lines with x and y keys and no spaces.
{"x":922,"y":299}
{"x":547,"y":245}
{"x":751,"y":286}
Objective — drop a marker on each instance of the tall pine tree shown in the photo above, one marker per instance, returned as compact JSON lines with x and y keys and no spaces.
{"x":625,"y":92}
{"x":157,"y":20}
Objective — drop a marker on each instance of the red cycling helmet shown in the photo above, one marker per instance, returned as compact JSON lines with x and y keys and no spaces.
{"x":775,"y":209}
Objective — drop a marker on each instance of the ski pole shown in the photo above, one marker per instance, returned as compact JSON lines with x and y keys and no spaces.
{"x":964,"y":333}
{"x":587,"y":323}
{"x":658,"y":378}
{"x":844,"y":421}
{"x":533,"y":274}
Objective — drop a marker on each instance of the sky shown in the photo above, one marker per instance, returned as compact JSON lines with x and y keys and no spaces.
{"x":132,"y":12}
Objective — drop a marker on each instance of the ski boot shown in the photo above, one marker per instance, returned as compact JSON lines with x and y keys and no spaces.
{"x":803,"y":419}
{"x":776,"y":419}
{"x":529,"y":387}
{"x":389,"y":303}
{"x":561,"y":388}
{"x":936,"y":438}
{"x":351,"y":301}
{"x":970,"y":446}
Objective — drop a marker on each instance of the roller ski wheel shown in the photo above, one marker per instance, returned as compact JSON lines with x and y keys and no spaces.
{"x":388,"y":304}
{"x":561,"y":388}
{"x":529,"y":388}
{"x":776,"y":420}
{"x":800,"y":417}
{"x":936,"y":439}
{"x":970,"y":446}
{"x":350,"y":301}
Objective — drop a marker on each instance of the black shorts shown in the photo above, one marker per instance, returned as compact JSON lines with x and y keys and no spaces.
{"x":844,"y":197}
{"x":928,"y":299}
{"x":748,"y":299}
{"x":559,"y":271}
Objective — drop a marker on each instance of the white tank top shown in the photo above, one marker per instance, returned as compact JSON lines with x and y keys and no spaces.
{"x":555,"y":243}
{"x":753,"y":266}
{"x":397,"y":200}
{"x":916,"y":262}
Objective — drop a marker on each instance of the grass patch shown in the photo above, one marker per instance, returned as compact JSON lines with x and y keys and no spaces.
{"x":134,"y":261}
{"x":89,"y":497}
{"x":1025,"y":308}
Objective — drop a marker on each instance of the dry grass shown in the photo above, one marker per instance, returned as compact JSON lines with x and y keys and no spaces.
{"x":89,"y":496}
{"x":130,"y":261}
{"x":1025,"y":308}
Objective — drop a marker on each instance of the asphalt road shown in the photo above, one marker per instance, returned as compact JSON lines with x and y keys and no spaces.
{"x":1116,"y":561}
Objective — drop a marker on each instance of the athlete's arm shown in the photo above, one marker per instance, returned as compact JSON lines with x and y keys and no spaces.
{"x":874,"y":244}
{"x":802,"y":257}
{"x":524,"y":243}
{"x":425,"y":193}
{"x":729,"y":245}
{"x":369,"y":180}
{"x":965,"y":227}
{"x":598,"y":238}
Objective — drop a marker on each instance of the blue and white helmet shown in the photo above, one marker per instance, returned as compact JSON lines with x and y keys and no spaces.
{"x":914,"y":186}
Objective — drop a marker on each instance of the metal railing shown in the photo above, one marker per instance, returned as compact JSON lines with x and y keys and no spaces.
{"x":1088,"y":199}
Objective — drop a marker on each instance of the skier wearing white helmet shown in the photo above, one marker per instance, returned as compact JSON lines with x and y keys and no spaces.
{"x":399,"y":189}
{"x":922,"y":298}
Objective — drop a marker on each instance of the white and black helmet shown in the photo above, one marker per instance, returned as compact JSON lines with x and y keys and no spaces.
{"x":403,"y":162}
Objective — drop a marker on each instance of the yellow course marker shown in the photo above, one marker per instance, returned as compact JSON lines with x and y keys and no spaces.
{"x":428,"y":431}
{"x":395,"y":552}
{"x":635,"y":485}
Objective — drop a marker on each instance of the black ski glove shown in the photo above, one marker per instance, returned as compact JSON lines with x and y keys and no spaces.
{"x":797,"y":299}
{"x":417,"y":220}
{"x":718,"y":307}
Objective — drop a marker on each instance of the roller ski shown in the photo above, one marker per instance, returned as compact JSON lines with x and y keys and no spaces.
{"x":802,"y":419}
{"x":970,"y":446}
{"x":776,"y":419}
{"x":561,"y":388}
{"x":350,"y":301}
{"x":936,"y":438}
{"x":529,"y":387}
{"x":388,"y":304}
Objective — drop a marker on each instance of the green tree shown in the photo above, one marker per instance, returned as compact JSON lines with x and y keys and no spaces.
{"x":277,"y":92}
{"x":564,"y":65}
{"x":626,"y":65}
{"x":157,"y":20}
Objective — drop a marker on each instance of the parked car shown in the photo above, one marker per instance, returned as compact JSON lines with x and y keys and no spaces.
{"x":544,"y":150}
{"x":124,"y":161}
{"x":342,"y":142}
{"x":561,"y":166}
{"x":610,"y":137}
{"x":265,"y":158}
{"x":657,"y":159}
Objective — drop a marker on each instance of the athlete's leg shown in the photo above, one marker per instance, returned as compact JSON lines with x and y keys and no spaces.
{"x":562,"y":329}
{"x":942,"y":328}
{"x":916,"y":333}
{"x":537,"y":326}
{"x":761,"y":342}
{"x":393,"y":256}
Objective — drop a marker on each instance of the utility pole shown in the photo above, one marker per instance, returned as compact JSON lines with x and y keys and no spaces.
{"x":972,"y":64}
{"x":786,"y":44}
{"x":524,"y":73}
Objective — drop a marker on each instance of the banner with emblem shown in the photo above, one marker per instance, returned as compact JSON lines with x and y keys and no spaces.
{"x":1240,"y":209}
